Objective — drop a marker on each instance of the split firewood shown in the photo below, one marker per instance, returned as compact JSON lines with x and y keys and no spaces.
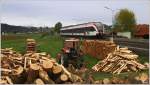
{"x":107,"y":67}
{"x":119,"y":71}
{"x":9,"y":80}
{"x":118,"y":61}
{"x":6,"y":70}
{"x":2,"y":81}
{"x":140,"y":66}
{"x":25,"y":62}
{"x":18,"y":70}
{"x":132,"y":68}
{"x":66,"y":71}
{"x":124,"y":48}
{"x":127,"y":56}
{"x":36,"y":68}
{"x":43,"y":54}
{"x":126,"y":51}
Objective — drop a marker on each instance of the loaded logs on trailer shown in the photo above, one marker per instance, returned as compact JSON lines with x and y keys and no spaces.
{"x":33,"y":68}
{"x":121,"y":60}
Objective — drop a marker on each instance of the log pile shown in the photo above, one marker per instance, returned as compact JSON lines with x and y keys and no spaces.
{"x":33,"y":68}
{"x":31,"y":45}
{"x":121,"y":60}
{"x":98,"y":48}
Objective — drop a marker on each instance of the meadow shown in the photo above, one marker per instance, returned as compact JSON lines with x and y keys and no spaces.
{"x":53,"y":45}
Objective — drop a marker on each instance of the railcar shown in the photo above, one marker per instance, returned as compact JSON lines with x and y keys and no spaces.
{"x":91,"y":29}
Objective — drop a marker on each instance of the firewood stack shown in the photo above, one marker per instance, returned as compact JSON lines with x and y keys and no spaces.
{"x":121,"y":60}
{"x":33,"y":68}
{"x":98,"y":48}
{"x":31,"y":45}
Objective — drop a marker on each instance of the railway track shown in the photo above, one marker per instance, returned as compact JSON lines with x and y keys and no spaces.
{"x":139,"y":46}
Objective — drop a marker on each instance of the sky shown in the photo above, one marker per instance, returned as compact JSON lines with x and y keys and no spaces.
{"x":49,"y":12}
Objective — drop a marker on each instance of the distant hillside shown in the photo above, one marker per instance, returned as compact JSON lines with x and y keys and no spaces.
{"x":5,"y":28}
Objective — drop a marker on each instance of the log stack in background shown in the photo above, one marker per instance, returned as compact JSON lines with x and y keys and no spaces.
{"x":33,"y":68}
{"x":98,"y":48}
{"x":121,"y":60}
{"x":31,"y":45}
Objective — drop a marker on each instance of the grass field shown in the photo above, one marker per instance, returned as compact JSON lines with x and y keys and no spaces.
{"x":49,"y":44}
{"x":53,"y":45}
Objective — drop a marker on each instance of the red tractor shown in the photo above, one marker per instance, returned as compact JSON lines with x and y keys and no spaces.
{"x":71,"y":53}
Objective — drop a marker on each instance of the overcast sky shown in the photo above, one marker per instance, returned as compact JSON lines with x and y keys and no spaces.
{"x":48,"y":12}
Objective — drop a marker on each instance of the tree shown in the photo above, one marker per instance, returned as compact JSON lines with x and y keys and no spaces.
{"x":57,"y":27}
{"x":124,"y":21}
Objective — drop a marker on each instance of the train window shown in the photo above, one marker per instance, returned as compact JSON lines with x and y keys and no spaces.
{"x":89,"y":29}
{"x":79,"y":30}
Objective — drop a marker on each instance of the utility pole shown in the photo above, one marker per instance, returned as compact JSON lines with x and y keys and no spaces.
{"x":112,"y":11}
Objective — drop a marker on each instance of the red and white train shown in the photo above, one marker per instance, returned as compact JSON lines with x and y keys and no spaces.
{"x":91,"y":29}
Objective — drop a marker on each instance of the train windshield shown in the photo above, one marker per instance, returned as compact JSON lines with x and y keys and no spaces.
{"x":99,"y":26}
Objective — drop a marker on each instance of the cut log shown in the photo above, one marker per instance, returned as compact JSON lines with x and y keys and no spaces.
{"x":61,"y":79}
{"x":106,"y":81}
{"x":33,"y":73}
{"x":47,"y":65}
{"x":64,"y":77}
{"x":74,"y":78}
{"x":39,"y":82}
{"x":44,"y":76}
{"x":57,"y":69}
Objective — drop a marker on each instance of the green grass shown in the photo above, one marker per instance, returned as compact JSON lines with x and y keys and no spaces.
{"x":49,"y":44}
{"x":90,"y":61}
{"x":124,"y":75}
